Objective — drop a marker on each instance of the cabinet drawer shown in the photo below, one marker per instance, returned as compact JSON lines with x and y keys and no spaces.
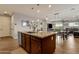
{"x":35,"y":38}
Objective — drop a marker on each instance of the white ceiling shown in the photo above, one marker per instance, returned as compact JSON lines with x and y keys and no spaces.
{"x":63,"y":11}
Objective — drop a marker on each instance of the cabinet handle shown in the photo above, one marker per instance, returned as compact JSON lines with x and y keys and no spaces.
{"x":52,"y":38}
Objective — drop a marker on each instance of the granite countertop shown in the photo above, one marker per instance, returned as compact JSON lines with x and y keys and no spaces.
{"x":40,"y":34}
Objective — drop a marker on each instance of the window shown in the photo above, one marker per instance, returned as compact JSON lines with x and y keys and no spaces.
{"x":72,"y":24}
{"x":24,"y":24}
{"x":59,"y":25}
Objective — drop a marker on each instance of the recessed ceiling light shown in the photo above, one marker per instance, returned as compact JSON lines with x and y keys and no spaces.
{"x":37,"y":4}
{"x":32,"y":8}
{"x":38,"y":11}
{"x":50,"y":6}
{"x":5,"y":12}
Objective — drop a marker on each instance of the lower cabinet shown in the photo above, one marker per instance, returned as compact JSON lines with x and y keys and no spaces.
{"x":35,"y":45}
{"x":48,"y":44}
{"x":27,"y":43}
{"x":23,"y":41}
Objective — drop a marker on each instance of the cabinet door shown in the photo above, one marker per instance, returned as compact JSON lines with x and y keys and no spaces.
{"x":23,"y":40}
{"x":35,"y":45}
{"x":5,"y":26}
{"x":27,"y":43}
{"x":48,"y":44}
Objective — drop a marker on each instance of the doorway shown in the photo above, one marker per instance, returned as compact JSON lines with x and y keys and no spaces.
{"x":4,"y":26}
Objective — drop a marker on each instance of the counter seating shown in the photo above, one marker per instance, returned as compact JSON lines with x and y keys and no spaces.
{"x":76,"y":34}
{"x":68,"y":31}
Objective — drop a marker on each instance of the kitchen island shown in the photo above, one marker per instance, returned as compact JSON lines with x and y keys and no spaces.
{"x":38,"y":42}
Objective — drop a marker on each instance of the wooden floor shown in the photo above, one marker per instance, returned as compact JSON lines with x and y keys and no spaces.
{"x":69,"y":46}
{"x":10,"y":46}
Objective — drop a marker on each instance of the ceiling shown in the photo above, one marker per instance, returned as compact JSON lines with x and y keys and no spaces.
{"x":56,"y":12}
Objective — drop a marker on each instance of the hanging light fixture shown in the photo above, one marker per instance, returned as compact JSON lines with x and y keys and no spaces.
{"x":37,"y":4}
{"x":46,"y":18}
{"x":50,"y":6}
{"x":38,"y":11}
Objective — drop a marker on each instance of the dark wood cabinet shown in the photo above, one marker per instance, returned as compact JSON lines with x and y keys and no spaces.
{"x":37,"y":45}
{"x":23,"y":40}
{"x":48,"y":44}
{"x":27,"y":43}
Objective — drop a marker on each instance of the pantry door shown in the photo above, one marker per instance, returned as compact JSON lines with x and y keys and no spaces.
{"x":4,"y":26}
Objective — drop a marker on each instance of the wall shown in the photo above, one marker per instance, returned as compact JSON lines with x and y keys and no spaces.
{"x":65,"y":24}
{"x":16,"y":24}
